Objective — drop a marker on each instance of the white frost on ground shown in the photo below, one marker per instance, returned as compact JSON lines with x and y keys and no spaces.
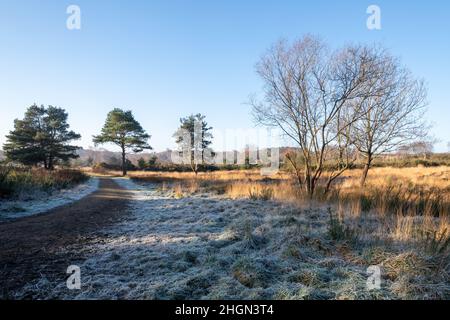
{"x":208,"y":247}
{"x":42,"y":202}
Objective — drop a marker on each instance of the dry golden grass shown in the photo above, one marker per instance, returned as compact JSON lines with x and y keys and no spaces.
{"x":435,"y":176}
{"x":15,"y":181}
{"x":414,"y":203}
{"x":430,"y":177}
{"x":235,"y":175}
{"x":100,"y":172}
{"x":388,"y":190}
{"x":403,"y":193}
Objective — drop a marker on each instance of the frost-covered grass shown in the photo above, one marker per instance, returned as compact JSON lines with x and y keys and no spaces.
{"x":176,"y":245}
{"x":38,"y":201}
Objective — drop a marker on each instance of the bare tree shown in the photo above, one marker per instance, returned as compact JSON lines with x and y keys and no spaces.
{"x":421,"y":147}
{"x":343,"y":153}
{"x":307,"y":89}
{"x":394,"y":117}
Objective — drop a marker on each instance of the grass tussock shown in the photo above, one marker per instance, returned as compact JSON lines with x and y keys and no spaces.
{"x":251,"y":273}
{"x":17,"y":181}
{"x":337,"y":230}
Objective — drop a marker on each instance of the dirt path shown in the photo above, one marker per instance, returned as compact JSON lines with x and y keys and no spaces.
{"x":45,"y":245}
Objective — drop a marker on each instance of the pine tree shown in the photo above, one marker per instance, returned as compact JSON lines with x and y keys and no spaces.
{"x":123,"y":130}
{"x":152,"y":161}
{"x":142,"y":164}
{"x":42,"y":137}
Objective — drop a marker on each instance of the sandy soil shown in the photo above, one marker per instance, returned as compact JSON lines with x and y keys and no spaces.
{"x":45,"y":245}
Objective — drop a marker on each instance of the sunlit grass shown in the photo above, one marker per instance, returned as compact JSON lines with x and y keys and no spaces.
{"x":15,"y":181}
{"x":409,"y":203}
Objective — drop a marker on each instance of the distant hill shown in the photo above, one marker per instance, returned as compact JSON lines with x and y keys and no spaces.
{"x":93,"y":156}
{"x":102,"y":155}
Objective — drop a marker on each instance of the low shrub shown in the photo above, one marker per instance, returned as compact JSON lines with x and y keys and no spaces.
{"x":19,"y":180}
{"x":5,"y":183}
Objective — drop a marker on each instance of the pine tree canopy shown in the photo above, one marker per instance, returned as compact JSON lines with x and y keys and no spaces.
{"x":42,"y":137}
{"x":123,"y":130}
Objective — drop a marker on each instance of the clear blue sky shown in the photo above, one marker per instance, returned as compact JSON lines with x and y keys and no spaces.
{"x":167,"y":59}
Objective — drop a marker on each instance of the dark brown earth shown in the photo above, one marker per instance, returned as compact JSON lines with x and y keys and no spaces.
{"x":45,"y":245}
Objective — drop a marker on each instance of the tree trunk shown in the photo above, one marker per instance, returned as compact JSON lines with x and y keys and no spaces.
{"x":328,"y":186}
{"x":50,"y":163}
{"x":298,"y":172}
{"x":124,"y":162}
{"x":196,"y":169}
{"x":312,"y":188}
{"x":365,"y":171}
{"x":299,"y":178}
{"x":309,"y":183}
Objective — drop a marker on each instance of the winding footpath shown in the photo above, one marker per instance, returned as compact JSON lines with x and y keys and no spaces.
{"x":45,"y":245}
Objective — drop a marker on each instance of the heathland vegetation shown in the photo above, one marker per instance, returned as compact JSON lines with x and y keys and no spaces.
{"x":359,"y":184}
